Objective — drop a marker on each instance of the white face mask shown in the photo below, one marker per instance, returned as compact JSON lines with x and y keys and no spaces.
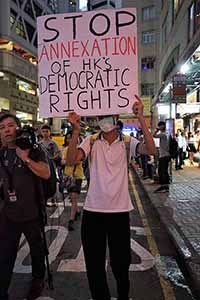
{"x":107,"y":124}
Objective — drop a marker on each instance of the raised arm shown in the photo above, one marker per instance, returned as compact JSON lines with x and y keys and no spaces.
{"x":74,"y":155}
{"x":148,"y":147}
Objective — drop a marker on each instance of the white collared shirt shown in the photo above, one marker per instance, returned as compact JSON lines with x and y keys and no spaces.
{"x":108,"y":190}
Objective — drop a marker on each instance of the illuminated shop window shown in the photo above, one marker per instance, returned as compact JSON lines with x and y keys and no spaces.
{"x":13,"y":16}
{"x":20,"y":28}
{"x":25,"y":87}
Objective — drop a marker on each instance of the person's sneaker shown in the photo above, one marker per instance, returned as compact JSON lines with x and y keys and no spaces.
{"x":35,"y":291}
{"x":77,"y":215}
{"x":71,"y":225}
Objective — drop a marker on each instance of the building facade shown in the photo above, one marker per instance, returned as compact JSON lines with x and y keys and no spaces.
{"x":179,"y":58}
{"x":101,"y":4}
{"x":18,"y":55}
{"x":148,"y":18}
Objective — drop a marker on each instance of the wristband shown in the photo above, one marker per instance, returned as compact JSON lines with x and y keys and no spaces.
{"x":27,"y":161}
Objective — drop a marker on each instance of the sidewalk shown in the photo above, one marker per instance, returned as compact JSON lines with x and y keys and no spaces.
{"x":179,"y":210}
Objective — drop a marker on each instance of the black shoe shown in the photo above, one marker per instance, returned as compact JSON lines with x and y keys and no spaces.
{"x":37,"y":286}
{"x":77,"y":215}
{"x":71,"y":225}
{"x":162,"y":189}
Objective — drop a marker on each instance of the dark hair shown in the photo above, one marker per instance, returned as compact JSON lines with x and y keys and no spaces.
{"x":69,"y":133}
{"x":45,"y":126}
{"x":161,"y":123}
{"x":120,"y":124}
{"x":8,"y":115}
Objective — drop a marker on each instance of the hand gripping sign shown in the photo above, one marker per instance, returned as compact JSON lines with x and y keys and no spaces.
{"x":87,"y":62}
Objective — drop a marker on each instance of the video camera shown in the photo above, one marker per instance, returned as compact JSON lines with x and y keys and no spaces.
{"x":26,"y":138}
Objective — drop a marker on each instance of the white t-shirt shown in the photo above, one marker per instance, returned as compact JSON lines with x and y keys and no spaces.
{"x":108,"y":189}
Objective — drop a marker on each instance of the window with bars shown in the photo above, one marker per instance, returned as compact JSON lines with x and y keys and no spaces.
{"x":13,"y":16}
{"x":30,"y":30}
{"x":20,"y":28}
{"x":148,"y":37}
{"x":29,"y":10}
{"x":53,"y":5}
{"x":148,"y":13}
{"x":147,"y":89}
{"x":38,"y":10}
{"x":147,"y":63}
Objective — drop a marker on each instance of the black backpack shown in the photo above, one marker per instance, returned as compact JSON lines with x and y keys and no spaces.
{"x":49,"y":185}
{"x":173,"y":147}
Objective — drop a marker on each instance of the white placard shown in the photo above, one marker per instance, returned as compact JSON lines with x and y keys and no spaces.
{"x":87,"y":62}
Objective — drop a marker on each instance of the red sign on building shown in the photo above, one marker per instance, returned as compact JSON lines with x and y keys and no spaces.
{"x":179,"y":89}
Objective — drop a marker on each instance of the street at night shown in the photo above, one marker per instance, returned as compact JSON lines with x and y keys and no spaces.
{"x":154,"y":272}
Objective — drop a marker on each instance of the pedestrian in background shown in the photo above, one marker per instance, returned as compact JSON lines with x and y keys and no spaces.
{"x":53,"y":154}
{"x":23,"y":200}
{"x":164,"y":157}
{"x":191,"y":147}
{"x":77,"y":172}
{"x":179,"y":157}
{"x":106,"y":211}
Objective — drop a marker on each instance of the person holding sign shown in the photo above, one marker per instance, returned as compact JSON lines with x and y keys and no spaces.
{"x":106,"y":210}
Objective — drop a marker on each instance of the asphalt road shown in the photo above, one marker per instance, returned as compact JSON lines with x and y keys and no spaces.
{"x":154,"y":272}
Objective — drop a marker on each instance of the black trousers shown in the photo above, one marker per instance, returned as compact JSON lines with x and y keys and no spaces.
{"x":163,"y":173}
{"x":98,"y":230}
{"x":179,"y":159}
{"x":10,"y":233}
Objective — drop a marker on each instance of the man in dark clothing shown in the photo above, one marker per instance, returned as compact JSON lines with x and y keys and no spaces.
{"x":20,"y":197}
{"x":164,"y":158}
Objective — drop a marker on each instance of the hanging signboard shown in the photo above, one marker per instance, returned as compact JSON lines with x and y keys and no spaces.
{"x":179,"y":89}
{"x":87,"y":62}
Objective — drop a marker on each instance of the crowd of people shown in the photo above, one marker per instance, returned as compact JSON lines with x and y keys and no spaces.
{"x":181,"y":149}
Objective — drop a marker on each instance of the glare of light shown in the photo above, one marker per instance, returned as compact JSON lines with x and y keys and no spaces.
{"x":184,"y":68}
{"x":83,"y":4}
{"x":167,"y":88}
{"x":1,"y":74}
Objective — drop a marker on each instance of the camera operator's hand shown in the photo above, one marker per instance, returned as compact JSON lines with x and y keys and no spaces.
{"x":22,"y":154}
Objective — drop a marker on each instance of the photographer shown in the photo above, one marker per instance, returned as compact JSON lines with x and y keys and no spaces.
{"x":21,"y":172}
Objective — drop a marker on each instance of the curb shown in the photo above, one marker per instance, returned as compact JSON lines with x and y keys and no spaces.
{"x":189,"y":257}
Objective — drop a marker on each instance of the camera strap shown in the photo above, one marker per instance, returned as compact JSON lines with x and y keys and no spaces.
{"x":9,"y":173}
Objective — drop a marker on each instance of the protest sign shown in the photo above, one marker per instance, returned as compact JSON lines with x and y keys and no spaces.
{"x":87,"y":62}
